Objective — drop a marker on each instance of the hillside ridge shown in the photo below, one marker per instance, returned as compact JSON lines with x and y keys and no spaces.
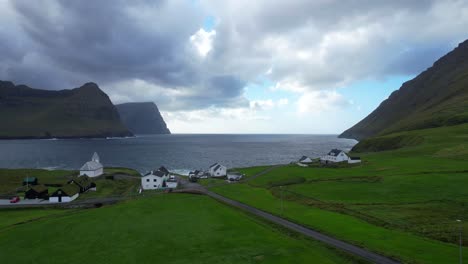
{"x":83,"y":112}
{"x":436,"y":97}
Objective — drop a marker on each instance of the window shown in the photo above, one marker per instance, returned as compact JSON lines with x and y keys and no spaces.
{"x":154,"y":180}
{"x":147,"y":180}
{"x":154,"y":186}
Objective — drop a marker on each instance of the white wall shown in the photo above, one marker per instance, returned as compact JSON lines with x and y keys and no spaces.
{"x":65,"y":199}
{"x":95,"y":173}
{"x":171,"y":185}
{"x":218,"y":173}
{"x":151,"y":182}
{"x":341,"y":157}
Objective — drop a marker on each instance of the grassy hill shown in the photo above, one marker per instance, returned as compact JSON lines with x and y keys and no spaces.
{"x":170,"y":228}
{"x":81,"y":112}
{"x":401,"y":202}
{"x":437,"y":97}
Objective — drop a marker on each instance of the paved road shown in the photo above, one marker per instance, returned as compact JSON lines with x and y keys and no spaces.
{"x":366,"y":254}
{"x":6,"y":202}
{"x":355,"y":250}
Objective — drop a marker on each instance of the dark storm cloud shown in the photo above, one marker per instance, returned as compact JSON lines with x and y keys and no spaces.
{"x":67,"y":43}
{"x":106,"y":41}
{"x":142,"y":50}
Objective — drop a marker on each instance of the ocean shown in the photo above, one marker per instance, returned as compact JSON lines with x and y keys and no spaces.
{"x":178,"y":152}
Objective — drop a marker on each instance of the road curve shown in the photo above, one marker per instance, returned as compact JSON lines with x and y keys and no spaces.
{"x":363,"y":253}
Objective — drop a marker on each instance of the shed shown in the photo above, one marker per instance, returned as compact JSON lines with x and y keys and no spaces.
{"x":65,"y":194}
{"x":305,"y":159}
{"x":37,"y":192}
{"x":84,"y":183}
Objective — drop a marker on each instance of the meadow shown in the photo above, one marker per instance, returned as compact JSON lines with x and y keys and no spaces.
{"x":402,"y":202}
{"x":167,"y":228}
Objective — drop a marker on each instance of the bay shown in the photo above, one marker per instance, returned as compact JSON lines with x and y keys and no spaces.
{"x":178,"y":152}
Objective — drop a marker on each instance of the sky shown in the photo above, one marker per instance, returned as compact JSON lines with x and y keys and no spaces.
{"x":233,"y":66}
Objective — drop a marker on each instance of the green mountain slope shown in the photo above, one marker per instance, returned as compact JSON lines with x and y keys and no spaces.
{"x":142,"y":118}
{"x":81,"y":112}
{"x":437,"y":97}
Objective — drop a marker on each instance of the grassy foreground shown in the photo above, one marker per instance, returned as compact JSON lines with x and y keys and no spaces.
{"x":173,"y":228}
{"x":402,"y":202}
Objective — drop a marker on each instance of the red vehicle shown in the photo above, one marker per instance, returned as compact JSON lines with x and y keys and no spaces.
{"x":14,"y":199}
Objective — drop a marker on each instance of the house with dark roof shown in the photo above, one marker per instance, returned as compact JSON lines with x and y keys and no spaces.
{"x":305,"y":159}
{"x":92,"y":168}
{"x":353,"y":160}
{"x":84,"y":183}
{"x":65,"y":194}
{"x":30,"y":181}
{"x":234,"y":176}
{"x":334,"y":156}
{"x":37,"y":192}
{"x":163,"y":169}
{"x":217,"y":170}
{"x":155,"y":179}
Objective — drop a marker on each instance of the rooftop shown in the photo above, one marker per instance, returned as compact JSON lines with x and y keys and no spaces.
{"x":91,"y":166}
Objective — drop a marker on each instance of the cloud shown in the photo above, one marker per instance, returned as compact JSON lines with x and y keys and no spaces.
{"x":317,"y":102}
{"x":161,"y":51}
{"x":317,"y":45}
{"x":203,"y":41}
{"x":283,"y":102}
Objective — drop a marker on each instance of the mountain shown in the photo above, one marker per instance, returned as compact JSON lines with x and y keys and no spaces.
{"x":81,"y":112}
{"x":436,"y":97}
{"x":142,"y":118}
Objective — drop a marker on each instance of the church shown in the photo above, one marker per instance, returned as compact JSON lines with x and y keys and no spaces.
{"x":92,"y":168}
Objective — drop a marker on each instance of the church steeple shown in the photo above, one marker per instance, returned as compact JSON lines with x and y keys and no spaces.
{"x":95,"y":157}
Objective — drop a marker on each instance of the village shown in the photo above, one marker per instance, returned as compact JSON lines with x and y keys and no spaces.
{"x":160,"y":179}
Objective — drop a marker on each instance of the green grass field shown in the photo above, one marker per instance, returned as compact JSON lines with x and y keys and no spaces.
{"x":11,"y":179}
{"x":402,"y":202}
{"x":171,"y":228}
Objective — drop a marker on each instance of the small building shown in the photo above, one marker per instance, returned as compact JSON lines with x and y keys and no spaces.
{"x":305,"y":159}
{"x":353,"y":160}
{"x":172,"y":182}
{"x":199,"y":174}
{"x":234,"y":176}
{"x":154,"y":179}
{"x":84,"y":183}
{"x":30,"y":181}
{"x":65,"y":194}
{"x":194,"y":174}
{"x":92,"y":168}
{"x":217,"y":170}
{"x":37,"y":192}
{"x":334,"y":156}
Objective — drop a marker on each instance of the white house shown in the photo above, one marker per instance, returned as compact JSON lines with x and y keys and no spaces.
{"x":217,"y":170}
{"x":353,"y":160}
{"x":335,"y":155}
{"x":92,"y":168}
{"x":155,"y":179}
{"x":65,"y":194}
{"x":234,"y":176}
{"x":305,"y":159}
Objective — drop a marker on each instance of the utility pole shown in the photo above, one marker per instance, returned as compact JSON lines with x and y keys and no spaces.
{"x":460,"y":240}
